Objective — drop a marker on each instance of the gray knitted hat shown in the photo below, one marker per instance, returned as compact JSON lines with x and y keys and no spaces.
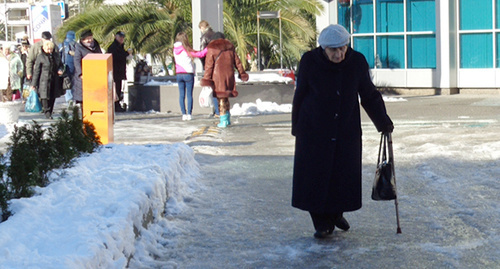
{"x":334,"y":36}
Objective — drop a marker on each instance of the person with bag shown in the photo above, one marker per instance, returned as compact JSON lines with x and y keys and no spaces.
{"x":326,"y":123}
{"x":184,"y":67}
{"x":67,"y":53}
{"x":220,"y":62}
{"x":46,"y":80}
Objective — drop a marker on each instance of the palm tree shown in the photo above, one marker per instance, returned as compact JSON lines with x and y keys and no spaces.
{"x":298,"y":28}
{"x":151,"y":26}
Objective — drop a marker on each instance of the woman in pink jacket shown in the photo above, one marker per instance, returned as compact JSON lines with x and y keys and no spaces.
{"x":184,"y":68}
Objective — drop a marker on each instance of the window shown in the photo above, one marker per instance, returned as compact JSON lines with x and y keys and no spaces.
{"x":390,"y":52}
{"x":421,"y":15}
{"x":476,"y":50}
{"x":479,"y":34}
{"x":344,"y":14}
{"x":362,"y":16}
{"x":378,"y":31}
{"x":365,"y":46}
{"x":475,"y":15}
{"x":390,"y":16}
{"x":422,"y":51}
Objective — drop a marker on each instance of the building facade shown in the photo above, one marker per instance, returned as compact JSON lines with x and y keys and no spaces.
{"x":446,"y":45}
{"x":16,"y":20}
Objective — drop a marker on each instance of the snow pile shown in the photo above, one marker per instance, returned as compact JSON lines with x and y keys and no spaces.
{"x":157,"y":83}
{"x":394,"y":99}
{"x":260,"y":107}
{"x":267,"y":78}
{"x":92,"y":213}
{"x":252,"y":78}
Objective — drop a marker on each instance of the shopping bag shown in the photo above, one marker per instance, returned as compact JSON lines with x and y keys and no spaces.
{"x":33,"y":103}
{"x":206,"y":97}
{"x":384,"y":186}
{"x":68,"y":96}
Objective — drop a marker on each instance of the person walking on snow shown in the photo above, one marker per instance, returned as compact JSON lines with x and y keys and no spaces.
{"x":326,"y":124}
{"x":220,"y":62}
{"x":46,"y":80}
{"x":184,"y":67}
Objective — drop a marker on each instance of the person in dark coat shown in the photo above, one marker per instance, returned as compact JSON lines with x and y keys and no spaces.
{"x":119,"y":66}
{"x":37,"y":49}
{"x":46,"y":80}
{"x":25,"y":46}
{"x":221,"y":60}
{"x":326,"y":123}
{"x":86,"y":45}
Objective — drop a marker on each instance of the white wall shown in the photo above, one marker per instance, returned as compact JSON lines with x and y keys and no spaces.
{"x":211,"y":11}
{"x":329,"y":15}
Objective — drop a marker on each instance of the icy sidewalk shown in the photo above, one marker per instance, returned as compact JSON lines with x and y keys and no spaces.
{"x":92,"y":213}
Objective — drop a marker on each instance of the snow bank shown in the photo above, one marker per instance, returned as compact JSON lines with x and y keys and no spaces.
{"x":260,"y":107}
{"x":92,"y":213}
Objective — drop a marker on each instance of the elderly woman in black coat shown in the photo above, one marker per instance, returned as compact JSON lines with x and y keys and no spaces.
{"x":46,"y":80}
{"x":327,"y":125}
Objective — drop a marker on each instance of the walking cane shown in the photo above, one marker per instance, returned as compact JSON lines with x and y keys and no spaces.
{"x":391,"y":160}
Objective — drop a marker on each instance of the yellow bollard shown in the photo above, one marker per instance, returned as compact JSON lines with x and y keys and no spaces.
{"x":98,"y":105}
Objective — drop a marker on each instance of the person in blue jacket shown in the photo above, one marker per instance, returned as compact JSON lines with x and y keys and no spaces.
{"x":67,"y":53}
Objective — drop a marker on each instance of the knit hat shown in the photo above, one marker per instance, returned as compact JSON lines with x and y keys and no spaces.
{"x":334,"y":36}
{"x":85,"y":33}
{"x":120,"y":33}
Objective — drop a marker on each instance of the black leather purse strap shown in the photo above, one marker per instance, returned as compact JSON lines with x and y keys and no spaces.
{"x":383,"y":145}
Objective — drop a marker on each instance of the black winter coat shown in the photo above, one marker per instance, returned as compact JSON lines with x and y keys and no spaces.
{"x":80,"y":52}
{"x":45,"y":77}
{"x":119,"y":60}
{"x":326,"y":122}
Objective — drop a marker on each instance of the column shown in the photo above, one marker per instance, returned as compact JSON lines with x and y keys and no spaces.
{"x":211,"y":11}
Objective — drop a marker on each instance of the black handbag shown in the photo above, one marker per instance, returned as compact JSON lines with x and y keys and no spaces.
{"x":384,"y":184}
{"x":66,"y":79}
{"x":67,"y":84}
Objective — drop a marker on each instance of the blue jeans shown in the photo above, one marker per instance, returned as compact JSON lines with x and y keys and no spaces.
{"x":216,"y":106}
{"x":186,"y":84}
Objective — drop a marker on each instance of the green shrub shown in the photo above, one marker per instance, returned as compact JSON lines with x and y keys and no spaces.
{"x":34,"y":152}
